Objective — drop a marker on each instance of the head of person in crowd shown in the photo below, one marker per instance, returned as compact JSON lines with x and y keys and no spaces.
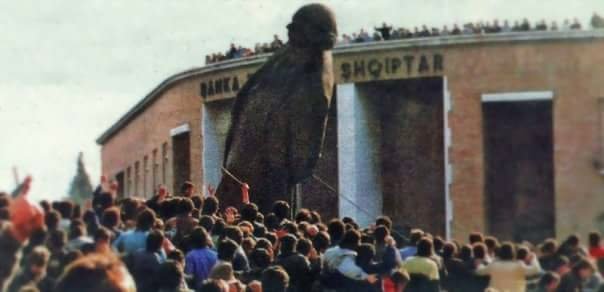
{"x":102,"y":240}
{"x":400,"y":278}
{"x":385,"y":221}
{"x":96,"y":273}
{"x":549,"y":247}
{"x":415,"y":236}
{"x":380,"y":233}
{"x":466,"y":253}
{"x":475,"y":237}
{"x":492,"y":245}
{"x":480,"y":251}
{"x":275,"y":279}
{"x":210,"y":206}
{"x":583,"y":269}
{"x":260,"y":258}
{"x":365,"y":254}
{"x":507,"y":252}
{"x":226,"y":250}
{"x":425,"y":247}
{"x":281,"y":210}
{"x":145,"y":220}
{"x":111,"y":218}
{"x":549,"y":282}
{"x":187,"y":189}
{"x":351,"y":240}
{"x":449,"y":251}
{"x":287,"y":244}
{"x":595,"y":239}
{"x":169,"y":276}
{"x":37,"y":262}
{"x":199,"y":238}
{"x":249,"y":212}
{"x":51,"y":219}
{"x":154,"y":241}
{"x":336,"y":229}
{"x":303,"y":215}
{"x":214,"y":285}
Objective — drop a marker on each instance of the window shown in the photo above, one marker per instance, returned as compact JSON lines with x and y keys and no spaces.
{"x":137,"y":175}
{"x":154,"y":173}
{"x":145,"y":175}
{"x":129,"y":181}
{"x":164,"y":157}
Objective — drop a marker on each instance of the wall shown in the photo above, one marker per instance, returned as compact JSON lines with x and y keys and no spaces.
{"x":567,"y":63}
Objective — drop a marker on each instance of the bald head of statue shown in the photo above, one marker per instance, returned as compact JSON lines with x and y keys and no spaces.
{"x":313,"y":26}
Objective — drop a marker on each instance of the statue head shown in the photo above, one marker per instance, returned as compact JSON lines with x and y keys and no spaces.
{"x":313,"y":26}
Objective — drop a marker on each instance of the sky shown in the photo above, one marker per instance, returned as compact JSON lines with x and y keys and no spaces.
{"x":71,"y":68}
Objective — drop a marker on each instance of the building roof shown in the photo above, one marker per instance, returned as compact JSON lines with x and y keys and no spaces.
{"x":442,"y":41}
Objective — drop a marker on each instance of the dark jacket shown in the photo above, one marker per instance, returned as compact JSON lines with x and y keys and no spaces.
{"x":299,"y":271}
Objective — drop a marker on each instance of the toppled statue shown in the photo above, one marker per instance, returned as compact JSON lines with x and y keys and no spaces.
{"x":279,"y":116}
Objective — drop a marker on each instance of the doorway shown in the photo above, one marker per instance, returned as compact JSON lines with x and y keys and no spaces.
{"x":181,"y":153}
{"x":391,"y":152}
{"x":519,"y":178}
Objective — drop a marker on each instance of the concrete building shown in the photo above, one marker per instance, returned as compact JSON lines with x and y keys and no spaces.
{"x":500,"y":133}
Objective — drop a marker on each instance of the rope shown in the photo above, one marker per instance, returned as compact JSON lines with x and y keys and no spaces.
{"x":232,"y":175}
{"x":328,"y":186}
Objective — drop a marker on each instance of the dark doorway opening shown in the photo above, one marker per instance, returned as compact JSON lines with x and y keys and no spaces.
{"x":519,"y":179}
{"x":119,"y":178}
{"x":181,"y":153}
{"x":408,"y":135}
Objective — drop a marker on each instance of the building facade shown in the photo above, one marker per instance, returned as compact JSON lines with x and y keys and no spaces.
{"x":499,"y":133}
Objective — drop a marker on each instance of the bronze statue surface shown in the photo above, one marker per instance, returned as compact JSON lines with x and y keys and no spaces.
{"x":279,"y":116}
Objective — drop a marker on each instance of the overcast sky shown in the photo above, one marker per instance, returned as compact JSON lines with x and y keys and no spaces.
{"x":71,"y":68}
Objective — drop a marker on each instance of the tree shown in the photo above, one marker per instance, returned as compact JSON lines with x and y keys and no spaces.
{"x":81,"y":188}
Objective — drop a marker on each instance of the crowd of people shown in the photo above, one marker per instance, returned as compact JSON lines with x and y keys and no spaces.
{"x":189,"y":242}
{"x":388,"y":32}
{"x":235,"y":52}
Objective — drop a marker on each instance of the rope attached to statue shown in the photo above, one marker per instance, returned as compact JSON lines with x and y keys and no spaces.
{"x":245,"y":188}
{"x":329,"y":187}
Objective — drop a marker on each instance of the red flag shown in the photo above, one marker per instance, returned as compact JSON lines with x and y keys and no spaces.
{"x":245,"y":195}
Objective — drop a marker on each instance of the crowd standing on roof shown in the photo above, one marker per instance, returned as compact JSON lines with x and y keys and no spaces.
{"x":387,"y":32}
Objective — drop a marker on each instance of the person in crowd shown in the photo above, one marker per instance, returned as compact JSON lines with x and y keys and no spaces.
{"x":102,"y":240}
{"x":96,"y":273}
{"x":145,"y":262}
{"x":572,"y":248}
{"x":582,"y":276}
{"x":224,"y":271}
{"x":201,"y":259}
{"x":384,"y":31}
{"x":181,"y":225}
{"x":410,"y":250}
{"x":77,"y":236}
{"x":548,"y":282}
{"x":295,"y":264}
{"x":169,"y":277}
{"x":133,"y":240}
{"x":111,"y":220}
{"x":422,"y":263}
{"x":33,"y":272}
{"x":554,"y":26}
{"x":596,"y":249}
{"x":576,"y":25}
{"x":340,"y":265}
{"x":275,"y":279}
{"x":508,"y":274}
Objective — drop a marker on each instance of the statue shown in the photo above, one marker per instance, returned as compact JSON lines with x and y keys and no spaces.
{"x":279,"y":116}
